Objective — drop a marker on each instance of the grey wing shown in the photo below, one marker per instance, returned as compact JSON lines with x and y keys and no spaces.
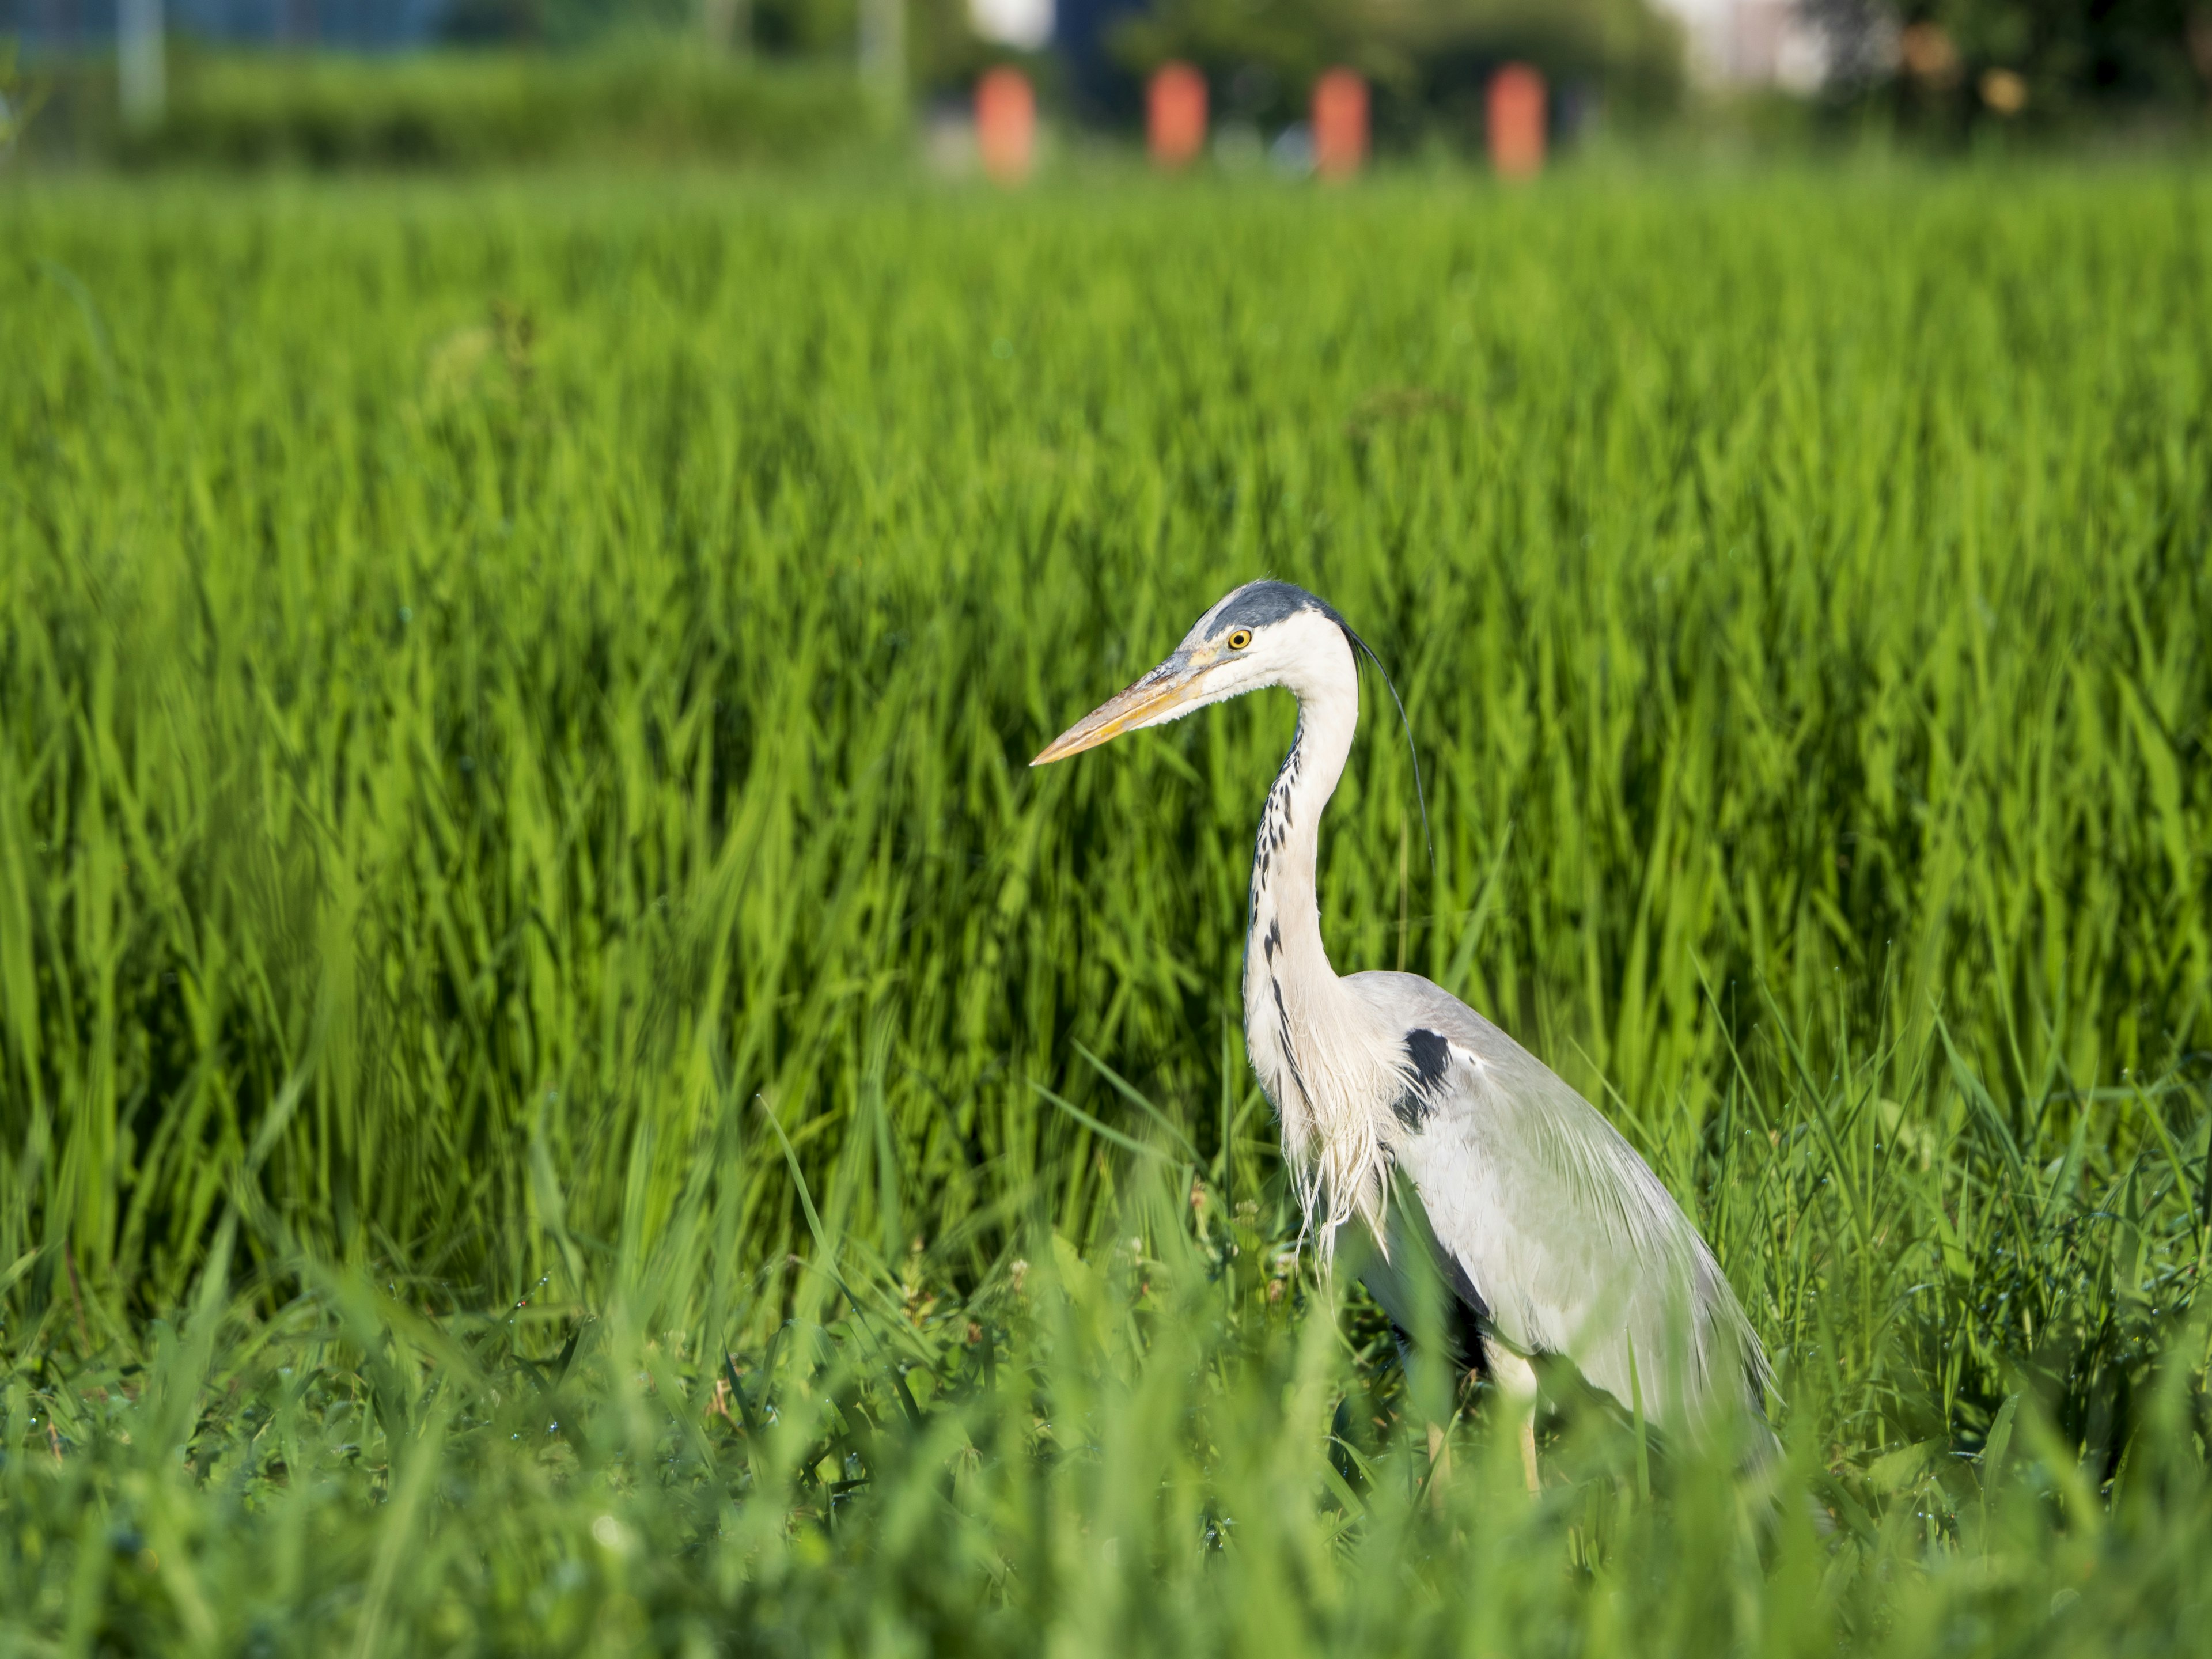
{"x":1570,"y":1242}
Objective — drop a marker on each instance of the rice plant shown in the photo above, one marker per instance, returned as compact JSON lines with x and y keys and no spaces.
{"x":563,"y":1088}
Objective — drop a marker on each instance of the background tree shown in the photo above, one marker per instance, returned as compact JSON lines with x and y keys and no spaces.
{"x":1430,"y":60}
{"x":1956,"y":63}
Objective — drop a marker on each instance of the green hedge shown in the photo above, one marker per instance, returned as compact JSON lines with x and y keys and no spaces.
{"x":457,"y":109}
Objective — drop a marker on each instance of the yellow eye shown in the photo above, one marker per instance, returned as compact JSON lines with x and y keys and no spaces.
{"x":1239,"y":638}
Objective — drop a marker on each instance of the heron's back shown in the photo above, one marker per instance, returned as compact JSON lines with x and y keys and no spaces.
{"x":1541,"y":1210}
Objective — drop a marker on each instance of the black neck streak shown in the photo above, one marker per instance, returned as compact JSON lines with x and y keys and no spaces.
{"x":1274,"y":825}
{"x":1275,"y":834}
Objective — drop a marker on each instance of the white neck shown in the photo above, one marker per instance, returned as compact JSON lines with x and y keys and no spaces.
{"x":1306,"y":1034}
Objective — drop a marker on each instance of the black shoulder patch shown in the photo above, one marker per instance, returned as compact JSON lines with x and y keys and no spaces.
{"x":1431,"y":1055}
{"x":1428,"y":1057}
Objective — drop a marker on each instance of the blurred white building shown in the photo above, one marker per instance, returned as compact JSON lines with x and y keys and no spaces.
{"x":1753,"y":43}
{"x":1025,"y":25}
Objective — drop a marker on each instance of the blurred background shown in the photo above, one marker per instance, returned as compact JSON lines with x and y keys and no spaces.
{"x":324,"y":83}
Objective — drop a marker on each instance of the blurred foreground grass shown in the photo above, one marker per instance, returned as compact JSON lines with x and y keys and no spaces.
{"x":532,"y":965}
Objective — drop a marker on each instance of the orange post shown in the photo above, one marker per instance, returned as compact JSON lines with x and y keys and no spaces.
{"x":1517,"y":122}
{"x":1174,"y":115}
{"x":1339,"y":123}
{"x":1005,"y":124}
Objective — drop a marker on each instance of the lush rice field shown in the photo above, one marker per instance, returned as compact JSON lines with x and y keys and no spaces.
{"x":562,"y":1088}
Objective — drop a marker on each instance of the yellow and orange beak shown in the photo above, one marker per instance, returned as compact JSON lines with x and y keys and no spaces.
{"x":1177,"y":681}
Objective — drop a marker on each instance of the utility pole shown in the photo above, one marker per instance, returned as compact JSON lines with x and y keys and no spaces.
{"x":882,"y":50}
{"x":729,"y":25}
{"x":142,"y":77}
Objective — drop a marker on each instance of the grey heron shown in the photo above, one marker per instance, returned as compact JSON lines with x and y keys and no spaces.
{"x":1403,"y":1108}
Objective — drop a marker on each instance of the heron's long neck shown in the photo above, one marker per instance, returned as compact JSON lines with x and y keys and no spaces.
{"x":1292,"y":1000}
{"x":1285,"y":925}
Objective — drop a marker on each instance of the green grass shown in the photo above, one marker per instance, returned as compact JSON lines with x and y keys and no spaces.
{"x":641,"y":101}
{"x":531,"y":963}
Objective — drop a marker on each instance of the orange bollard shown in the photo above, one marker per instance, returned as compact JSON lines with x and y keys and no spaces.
{"x":1517,"y":122}
{"x":1174,"y":115}
{"x":1339,"y":123}
{"x":1005,"y":124}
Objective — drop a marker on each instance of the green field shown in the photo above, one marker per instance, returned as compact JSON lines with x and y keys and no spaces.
{"x":564,"y":1089}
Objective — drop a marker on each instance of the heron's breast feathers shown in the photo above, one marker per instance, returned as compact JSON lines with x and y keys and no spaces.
{"x":1347,"y":1085}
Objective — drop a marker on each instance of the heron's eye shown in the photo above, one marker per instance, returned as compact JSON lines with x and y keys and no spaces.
{"x":1239,"y":638}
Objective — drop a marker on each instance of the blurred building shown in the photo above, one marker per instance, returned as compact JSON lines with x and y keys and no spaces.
{"x":58,"y":25}
{"x":1025,"y":25}
{"x":1771,"y":43}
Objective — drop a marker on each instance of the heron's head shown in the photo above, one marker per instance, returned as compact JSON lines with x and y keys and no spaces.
{"x":1263,"y":633}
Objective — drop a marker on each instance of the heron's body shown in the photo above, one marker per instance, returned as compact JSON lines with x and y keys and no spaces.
{"x":1552,"y":1233}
